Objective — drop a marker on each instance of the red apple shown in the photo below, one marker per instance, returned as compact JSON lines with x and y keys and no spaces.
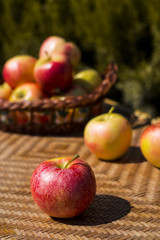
{"x":63,"y":187}
{"x":108,"y":135}
{"x":26,"y":92}
{"x":18,"y":70}
{"x":5,"y":90}
{"x":52,"y":73}
{"x":149,"y":144}
{"x":23,"y":117}
{"x":41,"y":117}
{"x":50,"y":45}
{"x":71,"y":50}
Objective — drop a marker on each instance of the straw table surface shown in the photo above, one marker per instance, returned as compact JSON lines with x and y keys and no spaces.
{"x":127,"y":202}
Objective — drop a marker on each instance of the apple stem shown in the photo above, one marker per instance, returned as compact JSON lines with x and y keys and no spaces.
{"x":47,"y":55}
{"x":72,"y":159}
{"x":111,"y":110}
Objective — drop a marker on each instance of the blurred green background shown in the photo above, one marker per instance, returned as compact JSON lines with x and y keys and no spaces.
{"x":124,"y":31}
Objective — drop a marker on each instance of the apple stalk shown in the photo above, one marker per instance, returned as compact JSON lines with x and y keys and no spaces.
{"x":72,"y":159}
{"x":110,"y":111}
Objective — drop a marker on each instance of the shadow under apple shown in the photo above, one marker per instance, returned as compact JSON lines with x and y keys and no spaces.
{"x":133,"y":155}
{"x":104,"y":209}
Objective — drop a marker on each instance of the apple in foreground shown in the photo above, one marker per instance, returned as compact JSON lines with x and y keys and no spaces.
{"x":149,"y":144}
{"x":63,"y":187}
{"x":50,"y":45}
{"x":18,"y":70}
{"x":54,"y":72}
{"x":108,"y":135}
{"x":89,"y":79}
{"x":26,"y":92}
{"x":5,"y":91}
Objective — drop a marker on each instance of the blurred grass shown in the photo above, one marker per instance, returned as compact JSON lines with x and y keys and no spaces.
{"x":127,"y":32}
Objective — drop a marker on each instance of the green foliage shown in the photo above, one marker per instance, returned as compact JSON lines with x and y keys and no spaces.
{"x":127,"y":32}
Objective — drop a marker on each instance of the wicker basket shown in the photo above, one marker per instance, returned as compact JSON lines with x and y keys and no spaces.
{"x":55,"y":116}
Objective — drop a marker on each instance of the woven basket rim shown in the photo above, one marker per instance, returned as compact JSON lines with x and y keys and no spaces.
{"x":109,"y":79}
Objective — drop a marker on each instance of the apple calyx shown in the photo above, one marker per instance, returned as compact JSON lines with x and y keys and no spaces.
{"x":20,"y":95}
{"x":72,"y":159}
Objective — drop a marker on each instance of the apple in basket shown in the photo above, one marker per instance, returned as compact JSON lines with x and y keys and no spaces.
{"x":50,"y":45}
{"x":75,"y":91}
{"x":55,"y":44}
{"x":108,"y":135}
{"x":25,"y":92}
{"x":63,"y":187}
{"x":55,"y":72}
{"x":149,"y":144}
{"x":89,"y":79}
{"x":71,"y":50}
{"x":18,"y":70}
{"x":5,"y":91}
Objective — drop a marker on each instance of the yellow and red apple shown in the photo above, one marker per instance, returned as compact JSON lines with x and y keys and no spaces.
{"x":57,"y":45}
{"x":5,"y":91}
{"x":108,"y":135}
{"x":18,"y":70}
{"x":25,"y":92}
{"x":71,"y":50}
{"x":150,"y":144}
{"x":50,"y":45}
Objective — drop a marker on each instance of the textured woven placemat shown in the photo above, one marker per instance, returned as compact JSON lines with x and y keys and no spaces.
{"x":126,"y":205}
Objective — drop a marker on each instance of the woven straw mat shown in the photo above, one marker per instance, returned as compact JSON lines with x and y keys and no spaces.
{"x":126,"y":205}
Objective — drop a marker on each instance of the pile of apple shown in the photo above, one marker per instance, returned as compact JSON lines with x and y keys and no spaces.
{"x":53,"y":75}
